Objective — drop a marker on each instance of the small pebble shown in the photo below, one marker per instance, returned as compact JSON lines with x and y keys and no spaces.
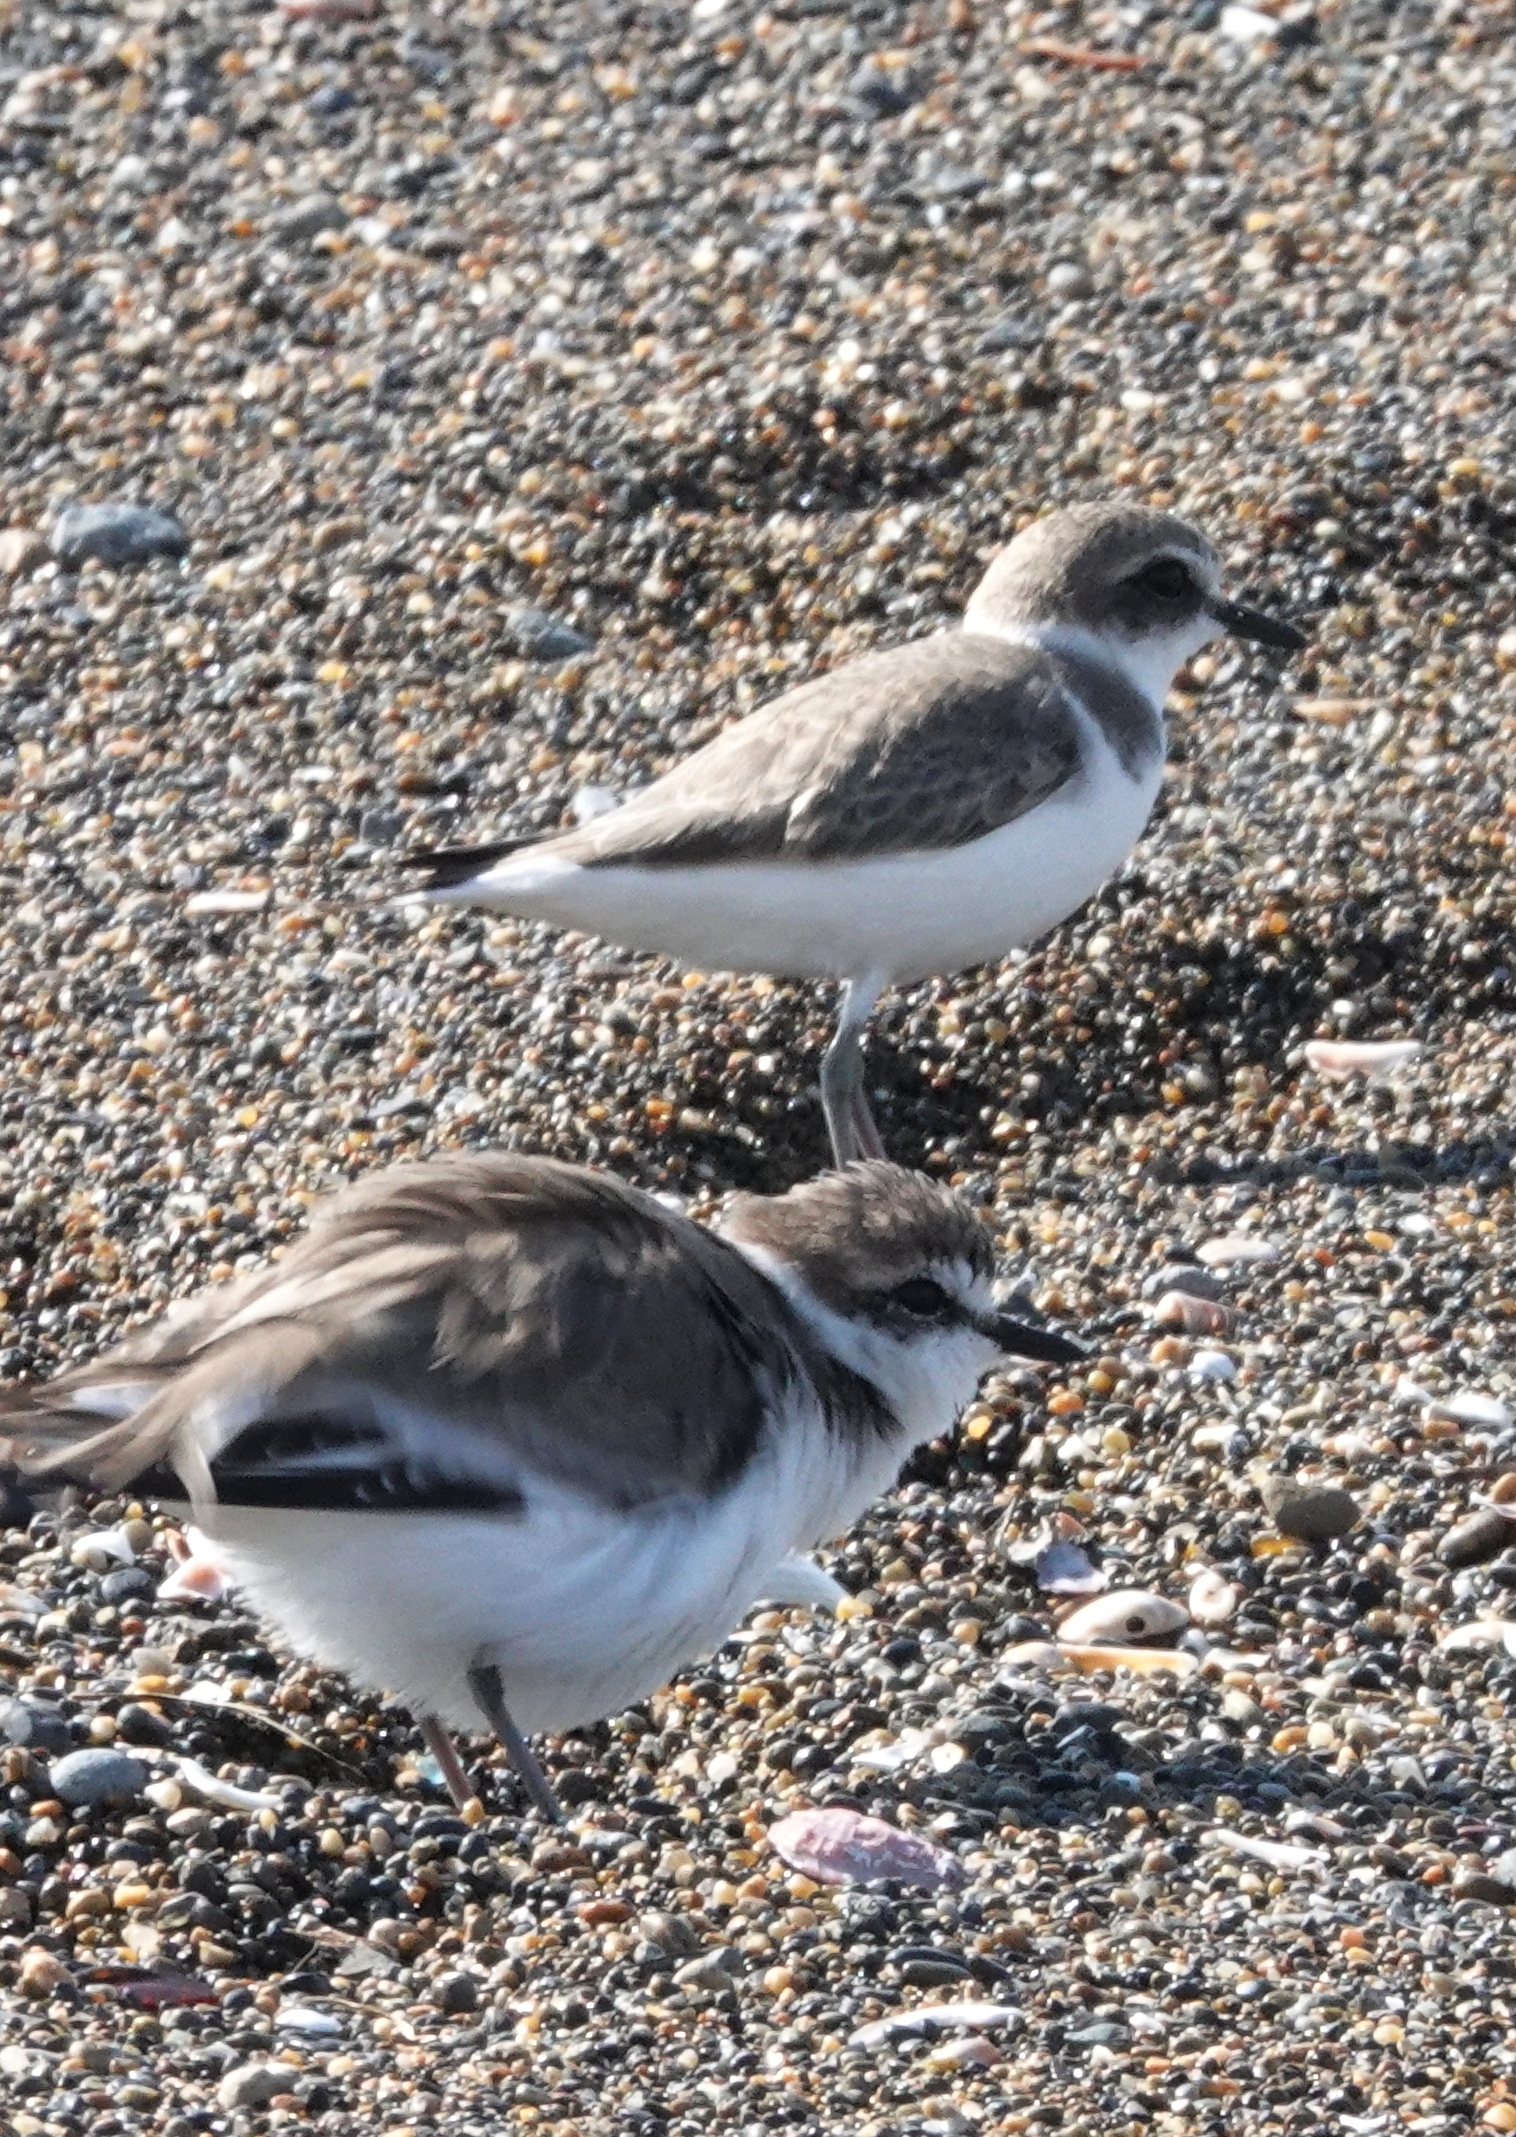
{"x":1066,"y":279}
{"x":253,"y":2085}
{"x":41,"y":1975}
{"x":540,"y":636}
{"x":1483,"y":1535}
{"x":1313,"y":1512}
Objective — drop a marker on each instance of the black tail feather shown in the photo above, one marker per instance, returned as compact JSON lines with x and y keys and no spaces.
{"x":452,"y":865}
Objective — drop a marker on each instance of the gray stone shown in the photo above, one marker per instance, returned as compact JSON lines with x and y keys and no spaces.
{"x":310,"y":217}
{"x":1196,"y":1283}
{"x":35,"y":1723}
{"x":668,"y":1933}
{"x":1311,"y":1512}
{"x":254,"y":2085}
{"x":539,"y":636}
{"x":456,"y":1992}
{"x":117,"y":534}
{"x":98,"y":1776}
{"x":706,"y":1973}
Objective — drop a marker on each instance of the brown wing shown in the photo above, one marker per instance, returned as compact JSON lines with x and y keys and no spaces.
{"x":929,"y":745}
{"x":532,"y":1315}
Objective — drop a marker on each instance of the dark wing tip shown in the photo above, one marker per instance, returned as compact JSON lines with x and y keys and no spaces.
{"x":448,"y":866}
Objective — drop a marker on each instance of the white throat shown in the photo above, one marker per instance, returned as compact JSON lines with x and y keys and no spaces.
{"x":925,"y":1384}
{"x":1149,"y":663}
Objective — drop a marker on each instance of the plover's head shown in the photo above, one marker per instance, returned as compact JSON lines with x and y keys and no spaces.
{"x":896,"y":1275}
{"x":1145,"y":583}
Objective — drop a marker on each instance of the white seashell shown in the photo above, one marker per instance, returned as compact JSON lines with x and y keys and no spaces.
{"x":890,"y":1755}
{"x":933,"y":2018}
{"x":1478,"y":1633}
{"x":206,"y":1691}
{"x":1350,"y":1446}
{"x":1279,"y":1854}
{"x":1212,"y":1600}
{"x":100,"y":1549}
{"x":1410,"y":1394}
{"x":1217,"y":1661}
{"x":1466,"y":1406}
{"x":1337,"y":1058}
{"x":300,"y":2018}
{"x":1246,"y":26}
{"x":1217,"y":1438}
{"x":1234,"y":1248}
{"x":1212,"y":1365}
{"x":227,"y":901}
{"x":1316,"y":1823}
{"x":1038,"y":1655}
{"x":1124,"y":1614}
{"x":210,"y":1788}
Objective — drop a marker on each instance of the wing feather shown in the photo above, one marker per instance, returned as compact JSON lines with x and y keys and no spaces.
{"x":442,"y":1330}
{"x":928,"y":745}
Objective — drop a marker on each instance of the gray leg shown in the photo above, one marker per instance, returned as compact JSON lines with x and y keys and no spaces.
{"x":484,"y":1683}
{"x":442,"y":1748}
{"x":849,"y":1122}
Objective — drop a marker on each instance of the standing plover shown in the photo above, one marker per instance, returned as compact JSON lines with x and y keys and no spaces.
{"x":508,"y":1438}
{"x":912,"y":812}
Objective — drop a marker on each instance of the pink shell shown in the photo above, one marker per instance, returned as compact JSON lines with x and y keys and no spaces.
{"x":1333,"y":1057}
{"x":841,"y":1847}
{"x":1197,"y":1317}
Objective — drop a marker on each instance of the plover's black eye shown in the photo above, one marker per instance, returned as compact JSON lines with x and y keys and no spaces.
{"x":1167,"y":578}
{"x":923,"y":1297}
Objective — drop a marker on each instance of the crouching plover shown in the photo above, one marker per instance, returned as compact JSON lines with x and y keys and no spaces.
{"x":911,"y":812}
{"x":509,"y":1439}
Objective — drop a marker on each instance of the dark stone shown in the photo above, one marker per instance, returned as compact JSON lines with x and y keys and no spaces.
{"x":36,"y":1724}
{"x":117,"y":534}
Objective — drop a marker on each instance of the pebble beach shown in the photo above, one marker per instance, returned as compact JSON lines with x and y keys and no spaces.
{"x":412,"y":419}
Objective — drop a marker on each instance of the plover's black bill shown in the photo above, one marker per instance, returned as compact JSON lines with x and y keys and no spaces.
{"x":1018,"y":1339}
{"x":1240,"y":621}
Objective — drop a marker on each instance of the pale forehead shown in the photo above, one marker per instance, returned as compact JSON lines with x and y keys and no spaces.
{"x":1104,"y":539}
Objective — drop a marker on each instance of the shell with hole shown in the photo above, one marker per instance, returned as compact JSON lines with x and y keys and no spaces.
{"x":1126,"y":1615}
{"x":1213,"y":1599}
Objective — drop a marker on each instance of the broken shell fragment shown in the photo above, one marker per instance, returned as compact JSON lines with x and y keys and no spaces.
{"x":1125,"y":1614}
{"x":1467,"y":1406}
{"x":1338,"y":1058}
{"x":197,"y":1574}
{"x":841,"y":1847}
{"x":1234,"y":1249}
{"x":1278,"y":1854}
{"x":1212,"y":1365}
{"x":1197,"y":1317}
{"x":1212,"y":1599}
{"x":1481,"y":1634}
{"x":1141,"y":1661}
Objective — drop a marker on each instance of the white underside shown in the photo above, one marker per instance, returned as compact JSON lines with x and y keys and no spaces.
{"x":905,"y":916}
{"x":583,"y":1609}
